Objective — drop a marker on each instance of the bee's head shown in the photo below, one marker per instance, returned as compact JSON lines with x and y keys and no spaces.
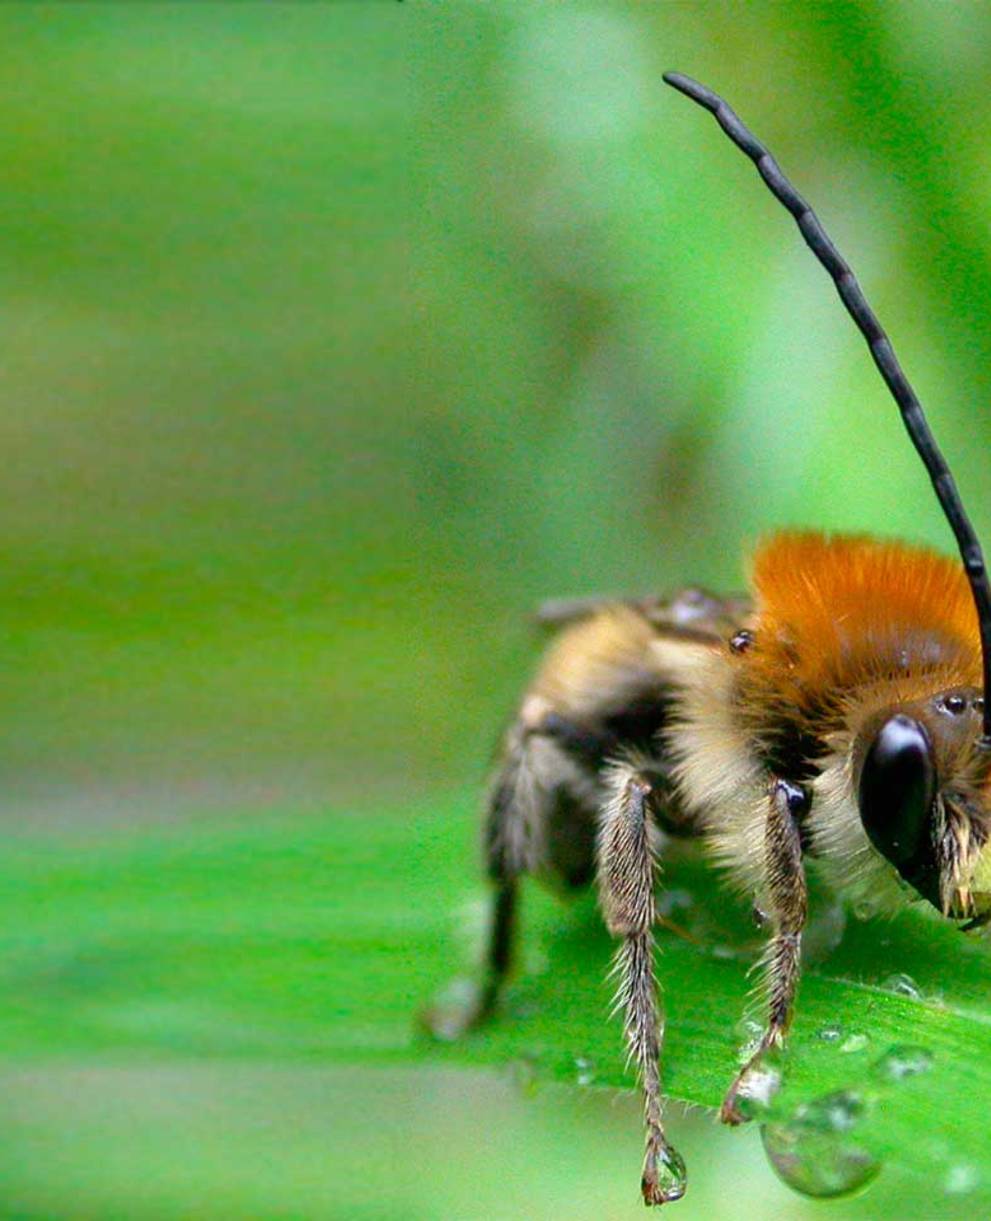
{"x":921,"y":790}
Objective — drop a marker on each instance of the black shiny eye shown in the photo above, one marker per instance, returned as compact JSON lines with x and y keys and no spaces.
{"x":896,"y":795}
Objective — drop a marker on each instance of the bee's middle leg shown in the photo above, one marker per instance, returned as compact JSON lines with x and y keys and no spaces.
{"x":626,"y":889}
{"x":787,"y":892}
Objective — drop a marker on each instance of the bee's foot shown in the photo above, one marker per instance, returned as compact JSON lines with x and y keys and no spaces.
{"x":729,"y":1112}
{"x":664,"y":1177}
{"x":459,"y":1008}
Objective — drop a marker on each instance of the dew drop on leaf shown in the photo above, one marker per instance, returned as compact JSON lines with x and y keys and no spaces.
{"x":903,"y":1061}
{"x":749,"y":1031}
{"x":757,"y":1091}
{"x":854,"y":1042}
{"x":813,"y":1151}
{"x":836,"y":1112}
{"x":902,"y":985}
{"x":831,"y":1033}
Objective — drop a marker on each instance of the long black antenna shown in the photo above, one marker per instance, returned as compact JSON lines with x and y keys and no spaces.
{"x":853,"y":298}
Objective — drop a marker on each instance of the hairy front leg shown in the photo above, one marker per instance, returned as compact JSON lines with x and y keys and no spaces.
{"x":788,"y":900}
{"x":626,"y":888}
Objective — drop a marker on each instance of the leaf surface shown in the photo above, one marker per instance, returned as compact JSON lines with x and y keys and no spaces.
{"x":317,"y":939}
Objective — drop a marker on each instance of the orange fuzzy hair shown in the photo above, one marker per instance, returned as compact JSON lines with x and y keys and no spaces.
{"x":839,"y":612}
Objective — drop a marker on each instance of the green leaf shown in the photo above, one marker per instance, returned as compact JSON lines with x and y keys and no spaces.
{"x":317,"y":939}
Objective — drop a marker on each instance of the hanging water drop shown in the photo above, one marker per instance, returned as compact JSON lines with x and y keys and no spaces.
{"x":669,"y":1168}
{"x":813,"y":1152}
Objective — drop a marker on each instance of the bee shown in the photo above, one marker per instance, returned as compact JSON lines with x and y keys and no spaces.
{"x":834,"y":719}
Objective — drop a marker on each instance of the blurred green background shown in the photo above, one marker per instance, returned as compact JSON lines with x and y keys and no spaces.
{"x":336,"y":336}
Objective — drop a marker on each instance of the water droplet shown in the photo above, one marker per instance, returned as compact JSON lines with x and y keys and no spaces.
{"x":854,"y":1042}
{"x":961,"y":1179}
{"x":585,"y":1069}
{"x":902,"y":985}
{"x":757,"y":1091}
{"x":836,"y":1112}
{"x":669,"y":1169}
{"x":866,"y":909}
{"x":903,"y":1061}
{"x":724,"y":952}
{"x":749,"y":1031}
{"x":812,"y":1151}
{"x":831,"y":1033}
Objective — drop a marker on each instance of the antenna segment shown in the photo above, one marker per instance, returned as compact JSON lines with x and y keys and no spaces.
{"x":856,"y":305}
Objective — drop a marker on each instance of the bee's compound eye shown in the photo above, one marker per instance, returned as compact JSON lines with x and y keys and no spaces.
{"x":896,"y":795}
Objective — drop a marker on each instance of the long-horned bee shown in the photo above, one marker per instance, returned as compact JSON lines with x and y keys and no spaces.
{"x":837,"y":716}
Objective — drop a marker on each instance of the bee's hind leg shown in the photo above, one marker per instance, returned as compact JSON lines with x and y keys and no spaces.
{"x":626,"y":888}
{"x":512,"y":847}
{"x":788,"y":901}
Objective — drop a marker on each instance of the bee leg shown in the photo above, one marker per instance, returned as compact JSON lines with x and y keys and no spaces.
{"x":499,"y":950}
{"x":511,"y":849}
{"x":626,"y":889}
{"x":788,"y":902}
